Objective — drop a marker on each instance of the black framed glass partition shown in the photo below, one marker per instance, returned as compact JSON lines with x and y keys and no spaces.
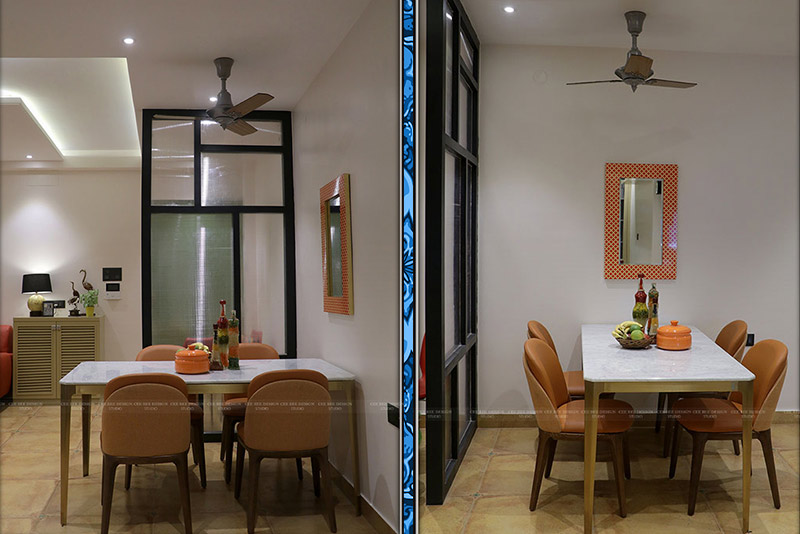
{"x":217,"y":224}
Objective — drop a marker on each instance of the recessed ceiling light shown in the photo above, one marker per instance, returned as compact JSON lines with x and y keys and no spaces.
{"x":29,"y":156}
{"x":128,"y":40}
{"x":508,"y":9}
{"x":213,"y":98}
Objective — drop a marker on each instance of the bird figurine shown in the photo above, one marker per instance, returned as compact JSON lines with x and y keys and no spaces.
{"x":74,"y":300}
{"x":86,"y":285}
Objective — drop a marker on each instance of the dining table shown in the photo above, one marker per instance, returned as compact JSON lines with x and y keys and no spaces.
{"x":607,"y":368}
{"x":90,"y":378}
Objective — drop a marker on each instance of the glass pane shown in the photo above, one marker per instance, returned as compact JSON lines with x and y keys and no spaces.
{"x":263,"y":305}
{"x":470,"y":258}
{"x":467,"y":52}
{"x":464,"y":99}
{"x":268,"y":134}
{"x":191,"y":270}
{"x":448,"y":72}
{"x":449,"y":252}
{"x":172,"y":182}
{"x":463,"y":393}
{"x":447,"y":418}
{"x":241,"y":179}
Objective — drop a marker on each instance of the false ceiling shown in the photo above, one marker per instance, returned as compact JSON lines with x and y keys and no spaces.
{"x":717,"y":26}
{"x":67,"y":59}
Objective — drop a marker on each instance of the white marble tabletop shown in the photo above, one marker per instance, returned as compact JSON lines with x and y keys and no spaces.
{"x":604,"y":360}
{"x":98,"y":373}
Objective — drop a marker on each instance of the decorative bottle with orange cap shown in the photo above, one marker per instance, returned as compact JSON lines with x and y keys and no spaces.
{"x":222,"y":332}
{"x":640,"y":312}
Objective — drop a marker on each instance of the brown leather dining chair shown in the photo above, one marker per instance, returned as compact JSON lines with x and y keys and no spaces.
{"x":164,"y":353}
{"x":559,"y":418}
{"x":288,"y":415}
{"x":146,"y":420}
{"x":713,"y":418}
{"x":731,"y":339}
{"x":234,"y":405}
{"x":574,"y":379}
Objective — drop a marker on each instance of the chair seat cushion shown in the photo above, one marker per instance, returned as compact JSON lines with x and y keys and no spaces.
{"x":708,"y":415}
{"x":614,"y":416}
{"x":575,"y":385}
{"x":234,"y":407}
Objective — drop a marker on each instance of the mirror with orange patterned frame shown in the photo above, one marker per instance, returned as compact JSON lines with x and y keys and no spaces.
{"x":337,"y":252}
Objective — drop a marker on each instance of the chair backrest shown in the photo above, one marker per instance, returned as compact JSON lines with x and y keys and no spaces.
{"x":288,"y":410}
{"x":145,"y":415}
{"x":732,"y":338}
{"x":6,"y":338}
{"x":257,"y":351}
{"x":767,"y":360}
{"x":537,"y":330}
{"x":546,"y":383}
{"x":423,"y":386}
{"x":158,"y":353}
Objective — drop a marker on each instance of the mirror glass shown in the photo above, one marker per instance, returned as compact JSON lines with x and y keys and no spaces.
{"x":641,"y":221}
{"x":334,"y":237}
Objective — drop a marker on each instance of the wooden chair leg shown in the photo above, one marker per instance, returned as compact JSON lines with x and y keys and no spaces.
{"x":671,"y":397}
{"x":327,"y":484}
{"x":299,"y":463}
{"x":252,"y":504}
{"x":538,"y":471}
{"x":315,"y":474}
{"x":239,"y":470}
{"x":199,"y":449}
{"x":735,"y":447}
{"x":662,"y":398}
{"x":616,"y":458}
{"x":182,"y":466}
{"x":698,"y":447}
{"x":551,"y":454}
{"x":673,"y":461}
{"x":626,"y":455}
{"x":229,"y":438}
{"x":193,"y":440}
{"x":128,"y":472}
{"x":109,"y":470}
{"x":227,"y":431}
{"x":765,"y":437}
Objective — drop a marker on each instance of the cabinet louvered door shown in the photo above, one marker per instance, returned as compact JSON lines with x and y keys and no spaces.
{"x":77,"y":343}
{"x":34,"y":360}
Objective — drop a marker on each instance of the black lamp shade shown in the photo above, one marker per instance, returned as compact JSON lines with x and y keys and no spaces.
{"x":36,"y":283}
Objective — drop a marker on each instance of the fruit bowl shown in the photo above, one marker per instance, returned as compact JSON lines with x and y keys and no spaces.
{"x":635,"y":343}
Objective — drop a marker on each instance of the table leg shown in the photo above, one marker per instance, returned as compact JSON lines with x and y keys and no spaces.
{"x":350,"y":392}
{"x":66,"y":401}
{"x":86,"y":428}
{"x":591,"y":400}
{"x":747,"y":441}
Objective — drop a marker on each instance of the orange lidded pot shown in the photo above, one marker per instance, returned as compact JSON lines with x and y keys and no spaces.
{"x":674,"y":337}
{"x":191,"y":361}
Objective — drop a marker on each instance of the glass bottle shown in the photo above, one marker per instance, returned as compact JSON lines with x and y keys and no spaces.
{"x":652,"y":308}
{"x":222,"y":328}
{"x":216,"y":363}
{"x":640,"y":313}
{"x":233,"y":342}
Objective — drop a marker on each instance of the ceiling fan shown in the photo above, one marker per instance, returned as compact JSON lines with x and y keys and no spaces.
{"x":636,"y":70}
{"x":224,"y":112}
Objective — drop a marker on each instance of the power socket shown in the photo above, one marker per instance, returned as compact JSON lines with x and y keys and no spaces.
{"x":751,"y":340}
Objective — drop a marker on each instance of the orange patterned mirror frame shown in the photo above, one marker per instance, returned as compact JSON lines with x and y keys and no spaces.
{"x":339,"y":187}
{"x":668,"y":173}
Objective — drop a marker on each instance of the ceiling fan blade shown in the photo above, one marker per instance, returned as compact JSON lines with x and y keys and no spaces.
{"x":246,"y":106}
{"x":638,"y":65}
{"x":241,"y":127}
{"x":669,"y":83}
{"x":596,"y":81}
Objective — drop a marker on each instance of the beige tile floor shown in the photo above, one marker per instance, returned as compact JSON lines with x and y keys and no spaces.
{"x":491,"y":491}
{"x":30,"y":488}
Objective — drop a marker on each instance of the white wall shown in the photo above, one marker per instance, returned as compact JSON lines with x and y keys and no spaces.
{"x":347,"y":122}
{"x":65,"y":221}
{"x":543,"y":147}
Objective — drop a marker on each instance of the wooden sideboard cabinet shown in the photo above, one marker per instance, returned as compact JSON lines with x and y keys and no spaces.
{"x":47,"y":348}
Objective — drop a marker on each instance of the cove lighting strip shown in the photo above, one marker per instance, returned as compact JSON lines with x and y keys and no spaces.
{"x":408,"y":370}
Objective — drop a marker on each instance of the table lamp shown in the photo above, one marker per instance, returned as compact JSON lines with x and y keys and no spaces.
{"x":36,"y":283}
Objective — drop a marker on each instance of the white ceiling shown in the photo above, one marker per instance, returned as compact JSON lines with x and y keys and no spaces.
{"x":722,"y":26}
{"x":22,"y":135}
{"x":279,"y":47}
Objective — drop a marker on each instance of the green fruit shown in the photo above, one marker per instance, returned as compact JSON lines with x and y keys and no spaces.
{"x":636,"y":326}
{"x":637,"y":335}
